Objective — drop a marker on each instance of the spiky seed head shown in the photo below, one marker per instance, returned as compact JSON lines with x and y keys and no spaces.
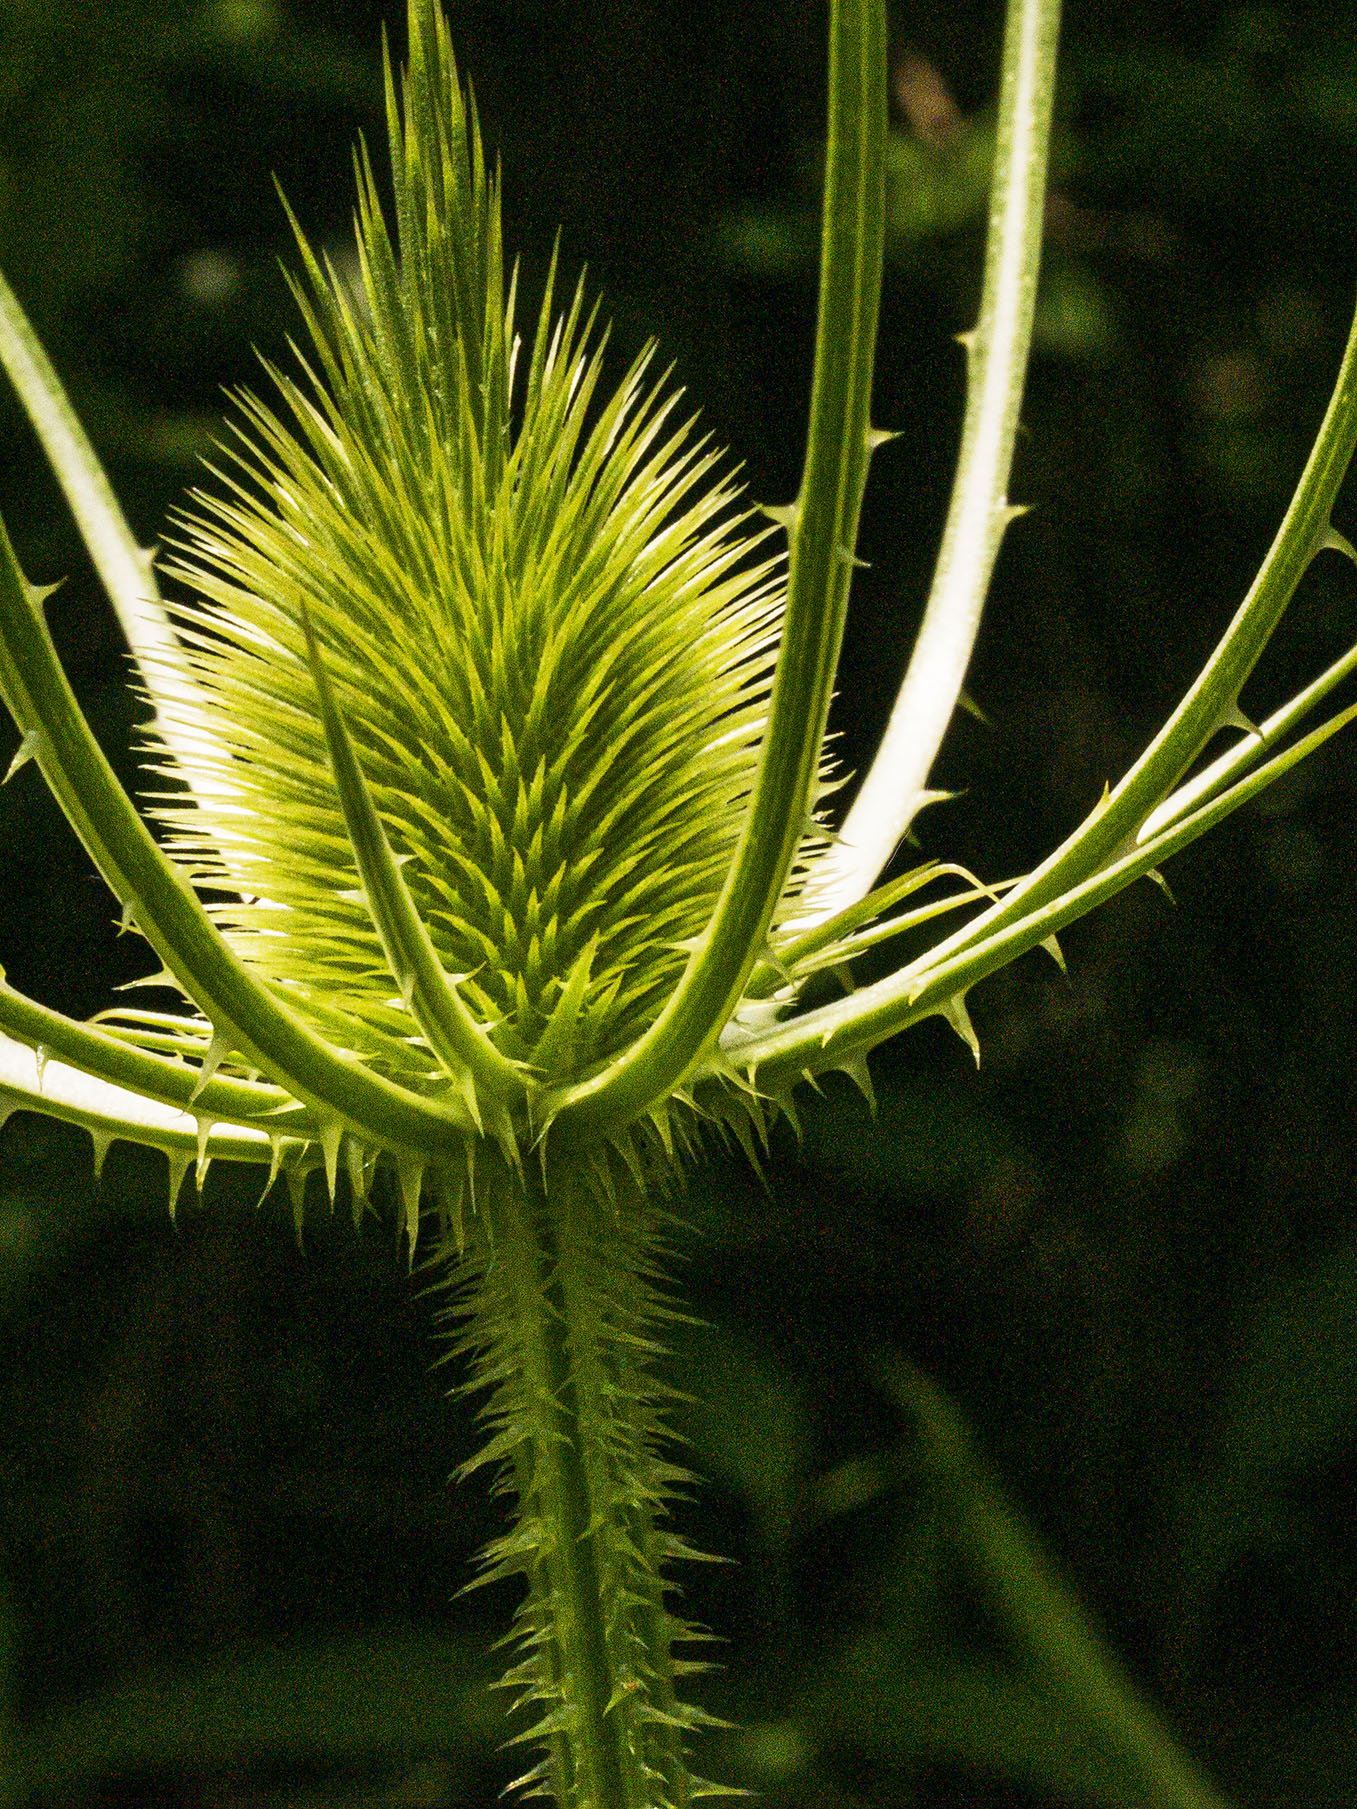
{"x":547,"y":624}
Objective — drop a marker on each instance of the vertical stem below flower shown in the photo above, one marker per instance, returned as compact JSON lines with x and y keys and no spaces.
{"x":559,"y":1328}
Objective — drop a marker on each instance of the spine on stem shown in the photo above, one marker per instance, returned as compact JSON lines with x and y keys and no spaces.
{"x":560,"y":1298}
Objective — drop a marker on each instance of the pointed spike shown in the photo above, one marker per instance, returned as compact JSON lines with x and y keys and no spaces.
{"x":1053,"y":949}
{"x":1334,"y":542}
{"x":1162,"y":884}
{"x":41,"y":1056}
{"x":358,"y":1167}
{"x":296,"y":1188}
{"x":126,"y":919}
{"x":972,"y":708}
{"x":880,"y":436}
{"x":465,"y":1084}
{"x":956,"y":1014}
{"x":410,"y":1175}
{"x":856,"y":1070}
{"x":1009,"y":512}
{"x":967,"y":341}
{"x":555,"y":1047}
{"x":659,"y":1117}
{"x":163,"y":978}
{"x":217,"y":1051}
{"x":1234,"y":718}
{"x":775,"y":961}
{"x":179,"y":1165}
{"x":786,"y":515}
{"x":103,"y":1142}
{"x":275,"y":1163}
{"x":27,"y":750}
{"x":38,"y":594}
{"x":331,"y":1136}
{"x":204,"y":1161}
{"x":846,"y":556}
{"x":786,"y":1104}
{"x":631,"y":1156}
{"x":743,"y":1133}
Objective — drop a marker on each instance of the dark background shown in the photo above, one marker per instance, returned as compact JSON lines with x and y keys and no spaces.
{"x":1127,"y":1247}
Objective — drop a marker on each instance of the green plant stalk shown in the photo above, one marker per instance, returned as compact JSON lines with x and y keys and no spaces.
{"x":1211,"y":703}
{"x":822,"y":532}
{"x":459,"y":1042}
{"x":1212,"y":780}
{"x":556,"y":1323}
{"x":893,"y":789}
{"x":126,"y":569}
{"x":1113,"y":846}
{"x":839,"y":1035}
{"x":31,"y":1081}
{"x":168,"y":1083}
{"x":1040,"y":1609}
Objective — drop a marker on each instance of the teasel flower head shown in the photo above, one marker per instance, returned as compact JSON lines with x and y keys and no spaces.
{"x":532,"y":620}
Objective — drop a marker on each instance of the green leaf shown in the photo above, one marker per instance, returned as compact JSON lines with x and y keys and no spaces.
{"x":1289,"y":1405}
{"x":884,"y":1705}
{"x":1056,"y":1636}
{"x":747,"y":1426}
{"x":357,"y":1698}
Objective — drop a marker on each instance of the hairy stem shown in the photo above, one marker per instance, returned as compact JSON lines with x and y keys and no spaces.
{"x":557,"y":1319}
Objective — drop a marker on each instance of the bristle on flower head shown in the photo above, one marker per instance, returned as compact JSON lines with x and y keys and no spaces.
{"x":543,"y":619}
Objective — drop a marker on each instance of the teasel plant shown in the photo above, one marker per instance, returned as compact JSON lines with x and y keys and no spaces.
{"x":500,"y":856}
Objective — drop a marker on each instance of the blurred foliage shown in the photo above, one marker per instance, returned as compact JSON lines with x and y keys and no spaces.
{"x":1126,"y":1248}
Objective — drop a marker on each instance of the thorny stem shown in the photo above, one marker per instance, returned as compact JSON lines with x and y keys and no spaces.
{"x":126,"y":569}
{"x":822,"y":532}
{"x":578,"y":1429}
{"x":555,"y":1483}
{"x":893,"y":790}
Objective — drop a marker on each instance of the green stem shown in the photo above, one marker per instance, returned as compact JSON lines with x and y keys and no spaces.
{"x":822,"y":531}
{"x":460,"y":1043}
{"x":1042,"y":1612}
{"x":564,"y":1570}
{"x":169,"y":1083}
{"x":893,"y":790}
{"x":125,"y":568}
{"x":558,"y":1328}
{"x":1116,"y":843}
{"x":29,"y":1082}
{"x":1211,"y":702}
{"x":834,"y":1036}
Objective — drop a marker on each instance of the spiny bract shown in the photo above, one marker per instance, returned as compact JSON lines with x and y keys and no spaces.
{"x":549,"y":642}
